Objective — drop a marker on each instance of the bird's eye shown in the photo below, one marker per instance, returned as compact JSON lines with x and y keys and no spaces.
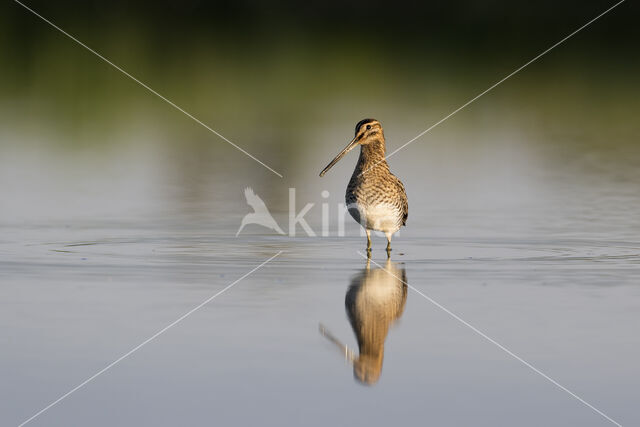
{"x":368,"y":127}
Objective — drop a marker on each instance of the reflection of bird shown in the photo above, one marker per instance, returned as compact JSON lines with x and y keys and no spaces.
{"x":375,"y":197}
{"x":375,"y":299}
{"x":260,"y":215}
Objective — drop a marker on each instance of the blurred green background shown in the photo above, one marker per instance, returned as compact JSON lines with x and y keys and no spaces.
{"x":267,"y":71}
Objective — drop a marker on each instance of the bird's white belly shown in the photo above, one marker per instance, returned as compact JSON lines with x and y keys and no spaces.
{"x":381,"y":217}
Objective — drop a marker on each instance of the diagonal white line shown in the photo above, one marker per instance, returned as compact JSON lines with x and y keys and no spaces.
{"x":142,"y":344}
{"x":146,"y":87}
{"x":497,"y":83}
{"x":497,"y":344}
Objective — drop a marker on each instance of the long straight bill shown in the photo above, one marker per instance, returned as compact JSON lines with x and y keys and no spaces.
{"x":348,"y":148}
{"x":349,"y":354}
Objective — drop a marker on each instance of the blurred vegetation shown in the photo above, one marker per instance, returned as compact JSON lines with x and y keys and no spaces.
{"x":266,"y":72}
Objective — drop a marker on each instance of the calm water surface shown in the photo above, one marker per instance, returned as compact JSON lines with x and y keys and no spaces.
{"x":100,"y":251}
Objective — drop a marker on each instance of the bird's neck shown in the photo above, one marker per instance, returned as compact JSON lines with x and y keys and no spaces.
{"x":372,"y":157}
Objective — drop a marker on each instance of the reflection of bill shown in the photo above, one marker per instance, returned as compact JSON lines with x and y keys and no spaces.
{"x":375,"y":299}
{"x":260,"y":216}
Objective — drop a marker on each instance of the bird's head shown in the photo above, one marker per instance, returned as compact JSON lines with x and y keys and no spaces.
{"x":368,"y":131}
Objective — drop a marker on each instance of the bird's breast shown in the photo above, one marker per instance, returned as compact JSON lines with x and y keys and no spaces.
{"x":384,"y":217}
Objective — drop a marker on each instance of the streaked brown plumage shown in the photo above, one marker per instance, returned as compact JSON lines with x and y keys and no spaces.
{"x":375,"y":197}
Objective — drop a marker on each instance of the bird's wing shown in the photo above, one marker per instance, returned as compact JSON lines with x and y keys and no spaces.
{"x":254,"y":201}
{"x":404,"y":202}
{"x":406,"y":212}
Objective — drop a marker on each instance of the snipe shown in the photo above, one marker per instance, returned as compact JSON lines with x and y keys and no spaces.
{"x":375,"y":198}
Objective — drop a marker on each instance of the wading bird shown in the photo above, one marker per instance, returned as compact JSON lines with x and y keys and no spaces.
{"x":375,"y":198}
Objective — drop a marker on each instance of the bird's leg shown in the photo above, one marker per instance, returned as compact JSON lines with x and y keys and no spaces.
{"x":368,"y":242}
{"x":388,"y":244}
